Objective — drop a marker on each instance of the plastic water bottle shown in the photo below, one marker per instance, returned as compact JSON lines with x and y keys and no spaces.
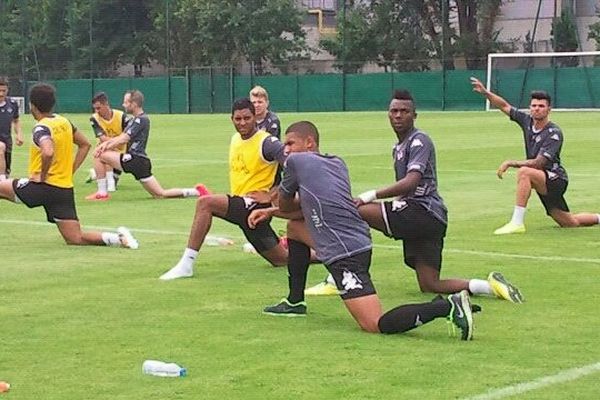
{"x":159,"y":368}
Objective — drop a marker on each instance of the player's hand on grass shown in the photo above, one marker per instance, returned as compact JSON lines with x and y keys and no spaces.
{"x":19,"y":140}
{"x":258,"y":216}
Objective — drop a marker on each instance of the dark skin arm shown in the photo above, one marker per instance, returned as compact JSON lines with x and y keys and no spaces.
{"x":400,"y":188}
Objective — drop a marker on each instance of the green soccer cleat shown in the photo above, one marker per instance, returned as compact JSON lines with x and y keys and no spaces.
{"x":460,"y":315}
{"x":503,"y":289}
{"x":509,"y":229}
{"x":286,"y":309}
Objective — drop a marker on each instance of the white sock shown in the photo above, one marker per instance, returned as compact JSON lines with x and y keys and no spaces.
{"x":111,"y":239}
{"x":479,"y":286}
{"x":110,"y":181}
{"x":188,"y":258}
{"x":102,"y":188}
{"x":330,"y":280}
{"x":189,"y":192}
{"x":518,"y":216}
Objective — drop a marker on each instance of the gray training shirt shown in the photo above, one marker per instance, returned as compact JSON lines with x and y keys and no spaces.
{"x":138,"y":130}
{"x":417,"y":153}
{"x":323,"y":185}
{"x":547,"y":142}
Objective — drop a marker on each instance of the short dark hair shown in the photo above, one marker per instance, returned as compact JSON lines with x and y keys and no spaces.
{"x":100,"y":97}
{"x":304,"y":129}
{"x":541,"y":95}
{"x":402,"y":94}
{"x":43,"y":97}
{"x":243,"y":104}
{"x":3,"y":81}
{"x":136,"y":96}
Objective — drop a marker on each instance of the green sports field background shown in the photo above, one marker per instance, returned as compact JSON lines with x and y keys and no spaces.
{"x":77,"y":323}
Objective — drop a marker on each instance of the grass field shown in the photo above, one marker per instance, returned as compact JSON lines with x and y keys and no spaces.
{"x":77,"y":323}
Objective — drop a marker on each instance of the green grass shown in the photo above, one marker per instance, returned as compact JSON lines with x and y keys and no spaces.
{"x":77,"y":323}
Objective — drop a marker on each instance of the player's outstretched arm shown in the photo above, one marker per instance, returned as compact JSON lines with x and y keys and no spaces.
{"x":494,"y":99}
{"x":83,"y":148}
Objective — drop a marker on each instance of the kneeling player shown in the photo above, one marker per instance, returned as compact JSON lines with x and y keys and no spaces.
{"x":51,"y":168}
{"x":342,"y":241}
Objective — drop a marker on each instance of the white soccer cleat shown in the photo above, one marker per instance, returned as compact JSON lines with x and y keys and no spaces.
{"x":177,"y":272}
{"x":92,"y":176}
{"x":127,"y":239}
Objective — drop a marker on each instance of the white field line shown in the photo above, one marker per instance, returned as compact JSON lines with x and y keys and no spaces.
{"x":567,"y":375}
{"x":491,"y":254}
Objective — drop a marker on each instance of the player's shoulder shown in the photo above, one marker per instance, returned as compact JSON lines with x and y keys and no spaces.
{"x":271,"y":116}
{"x":419,"y":138}
{"x":12,"y":101}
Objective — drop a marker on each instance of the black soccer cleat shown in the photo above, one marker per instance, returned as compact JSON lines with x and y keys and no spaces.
{"x":461,"y":316}
{"x":286,"y":309}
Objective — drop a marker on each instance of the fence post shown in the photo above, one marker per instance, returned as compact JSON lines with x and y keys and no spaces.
{"x":188,"y":93}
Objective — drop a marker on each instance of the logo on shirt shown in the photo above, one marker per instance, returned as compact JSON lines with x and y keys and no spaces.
{"x":350,"y":281}
{"x":416,"y":143}
{"x":315,"y":218}
{"x":537,"y":139}
{"x":137,"y":120}
{"x":555,"y":137}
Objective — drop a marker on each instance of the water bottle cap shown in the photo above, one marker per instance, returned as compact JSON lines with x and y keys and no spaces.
{"x":183,"y":372}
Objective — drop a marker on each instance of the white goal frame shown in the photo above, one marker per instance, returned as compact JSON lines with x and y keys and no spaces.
{"x":21,"y":102}
{"x":492,"y":56}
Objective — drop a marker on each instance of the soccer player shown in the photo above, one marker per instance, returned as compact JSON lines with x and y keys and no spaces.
{"x":9,"y":121}
{"x":417,"y":215}
{"x":266,"y":120}
{"x":318,"y":186}
{"x":542,"y":170}
{"x":51,"y":167}
{"x":134,"y":161}
{"x":108,"y":123}
{"x":253,"y":159}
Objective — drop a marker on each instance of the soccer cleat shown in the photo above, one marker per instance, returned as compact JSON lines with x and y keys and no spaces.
{"x":91,"y":177}
{"x":177,"y":272}
{"x":461,"y":316}
{"x":127,"y":239}
{"x":509,"y":229}
{"x":98,"y":197}
{"x":475,"y":308}
{"x":286,"y":309}
{"x":202,"y":190}
{"x":503,"y":289}
{"x":322,"y":289}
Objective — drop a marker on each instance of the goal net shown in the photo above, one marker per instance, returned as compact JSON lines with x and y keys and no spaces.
{"x":571,"y":78}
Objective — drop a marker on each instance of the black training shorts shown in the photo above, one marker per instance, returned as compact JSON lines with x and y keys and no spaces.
{"x":421,"y":233}
{"x":352,"y":277}
{"x":139,"y":167}
{"x":59,"y":203}
{"x":263,"y":237}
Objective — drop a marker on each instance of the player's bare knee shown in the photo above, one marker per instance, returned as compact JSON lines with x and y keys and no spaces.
{"x":370,"y":326}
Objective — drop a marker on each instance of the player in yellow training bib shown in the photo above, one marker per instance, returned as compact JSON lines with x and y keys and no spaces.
{"x":52,"y":163}
{"x":107,"y":123}
{"x":253,"y":159}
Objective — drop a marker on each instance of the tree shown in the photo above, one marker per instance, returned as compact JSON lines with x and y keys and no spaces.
{"x":393,"y":32}
{"x":206,"y":32}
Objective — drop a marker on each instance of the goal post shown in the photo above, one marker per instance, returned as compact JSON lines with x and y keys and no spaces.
{"x":571,"y":78}
{"x":21,"y":102}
